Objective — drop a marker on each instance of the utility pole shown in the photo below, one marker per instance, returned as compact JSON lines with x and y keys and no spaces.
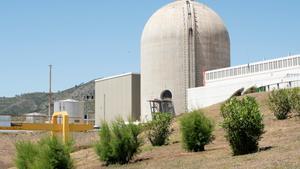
{"x":50,"y":92}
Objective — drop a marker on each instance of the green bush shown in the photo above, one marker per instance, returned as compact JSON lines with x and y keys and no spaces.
{"x":26,"y":154}
{"x":295,"y":100}
{"x":119,"y":143}
{"x":280,"y":103}
{"x":48,"y":153}
{"x":243,"y":124}
{"x":158,"y":130}
{"x":196,"y":130}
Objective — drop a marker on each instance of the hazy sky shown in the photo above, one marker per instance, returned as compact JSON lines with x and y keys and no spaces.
{"x":85,"y":40}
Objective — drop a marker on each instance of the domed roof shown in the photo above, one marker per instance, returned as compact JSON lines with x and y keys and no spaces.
{"x":179,"y":42}
{"x":174,"y":16}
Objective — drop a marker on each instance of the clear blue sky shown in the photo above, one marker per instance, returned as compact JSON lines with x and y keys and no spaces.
{"x":85,"y":40}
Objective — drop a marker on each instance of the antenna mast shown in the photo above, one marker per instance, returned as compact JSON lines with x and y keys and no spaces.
{"x":50,"y":92}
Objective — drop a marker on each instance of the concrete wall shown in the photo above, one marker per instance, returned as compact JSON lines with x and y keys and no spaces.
{"x":219,"y":90}
{"x":117,"y":96}
{"x":179,"y":42}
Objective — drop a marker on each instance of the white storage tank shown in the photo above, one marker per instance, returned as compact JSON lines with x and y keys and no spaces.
{"x":73,"y":107}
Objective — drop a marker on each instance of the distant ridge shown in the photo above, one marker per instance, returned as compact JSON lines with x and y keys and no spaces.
{"x":38,"y":101}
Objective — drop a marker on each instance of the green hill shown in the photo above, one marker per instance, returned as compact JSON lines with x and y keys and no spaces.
{"x":38,"y":101}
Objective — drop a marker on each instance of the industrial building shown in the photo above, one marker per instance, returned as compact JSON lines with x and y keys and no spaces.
{"x":185,"y":65}
{"x":36,"y":118}
{"x":179,"y":42}
{"x":117,"y":97}
{"x":267,"y":75}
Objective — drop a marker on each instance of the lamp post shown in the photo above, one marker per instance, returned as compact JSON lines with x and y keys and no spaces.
{"x":50,"y":92}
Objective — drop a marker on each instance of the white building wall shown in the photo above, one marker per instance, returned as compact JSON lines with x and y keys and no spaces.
{"x":220,"y":88}
{"x":72,"y":107}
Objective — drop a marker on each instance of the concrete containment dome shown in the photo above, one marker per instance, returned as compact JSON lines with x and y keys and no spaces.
{"x":179,"y":42}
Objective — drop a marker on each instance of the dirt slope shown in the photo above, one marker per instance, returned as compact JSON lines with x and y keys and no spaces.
{"x":280,"y":142}
{"x":280,"y":146}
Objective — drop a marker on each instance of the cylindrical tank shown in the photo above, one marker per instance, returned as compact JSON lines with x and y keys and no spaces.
{"x":72,"y":107}
{"x":179,"y":42}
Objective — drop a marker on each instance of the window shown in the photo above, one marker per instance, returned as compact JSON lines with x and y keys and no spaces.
{"x":210,"y":76}
{"x":223,"y":74}
{"x":256,"y":68}
{"x":270,"y":65}
{"x":219,"y":74}
{"x":227,"y":73}
{"x":243,"y":70}
{"x":294,"y":61}
{"x":252,"y":68}
{"x":215,"y":75}
{"x":239,"y":71}
{"x":275,"y":64}
{"x":280,"y":64}
{"x":261,"y":67}
{"x":284,"y":63}
{"x":290,"y":62}
{"x":266,"y":67}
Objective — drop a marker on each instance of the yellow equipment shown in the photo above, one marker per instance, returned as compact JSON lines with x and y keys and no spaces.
{"x":54,"y":126}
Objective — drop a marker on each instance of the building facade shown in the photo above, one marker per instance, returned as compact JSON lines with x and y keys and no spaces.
{"x":117,"y":97}
{"x":268,"y":75}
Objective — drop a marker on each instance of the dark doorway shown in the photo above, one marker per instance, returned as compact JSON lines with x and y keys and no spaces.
{"x":166,"y":95}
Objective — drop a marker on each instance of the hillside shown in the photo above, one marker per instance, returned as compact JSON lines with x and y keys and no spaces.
{"x":279,"y":148}
{"x":38,"y":102}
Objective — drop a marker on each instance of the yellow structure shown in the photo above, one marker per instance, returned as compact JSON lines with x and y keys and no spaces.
{"x":54,"y":126}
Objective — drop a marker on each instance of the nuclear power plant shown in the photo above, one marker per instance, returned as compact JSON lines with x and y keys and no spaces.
{"x":179,"y":42}
{"x":185,"y":59}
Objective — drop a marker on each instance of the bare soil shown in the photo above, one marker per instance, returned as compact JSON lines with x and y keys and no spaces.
{"x":279,"y":148}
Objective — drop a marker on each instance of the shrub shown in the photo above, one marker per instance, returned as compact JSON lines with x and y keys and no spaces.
{"x":48,"y":153}
{"x":119,"y":143}
{"x":243,"y":124}
{"x":196,"y":130}
{"x":54,"y":154}
{"x":26,"y":154}
{"x":295,"y":100}
{"x":280,"y":103}
{"x":158,"y":130}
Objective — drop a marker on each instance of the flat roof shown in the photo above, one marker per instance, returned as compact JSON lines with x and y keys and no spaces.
{"x":117,"y":76}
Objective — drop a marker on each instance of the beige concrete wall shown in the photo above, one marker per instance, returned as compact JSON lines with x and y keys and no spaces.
{"x":117,"y":97}
{"x":179,"y":42}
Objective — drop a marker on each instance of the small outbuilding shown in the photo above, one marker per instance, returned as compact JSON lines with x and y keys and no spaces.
{"x":117,"y":97}
{"x":36,"y":118}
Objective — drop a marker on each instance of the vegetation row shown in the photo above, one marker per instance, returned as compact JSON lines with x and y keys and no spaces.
{"x":120,"y":142}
